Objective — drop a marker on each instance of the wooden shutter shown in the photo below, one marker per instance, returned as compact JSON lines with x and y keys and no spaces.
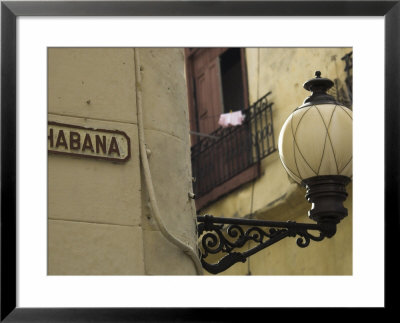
{"x":207,"y":82}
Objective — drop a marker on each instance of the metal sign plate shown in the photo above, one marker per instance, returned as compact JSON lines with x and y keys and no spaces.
{"x":87,"y":142}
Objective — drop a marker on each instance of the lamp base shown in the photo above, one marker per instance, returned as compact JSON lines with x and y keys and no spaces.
{"x":327,"y":194}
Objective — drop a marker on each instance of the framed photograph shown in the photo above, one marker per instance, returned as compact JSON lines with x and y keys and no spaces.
{"x":113,"y":113}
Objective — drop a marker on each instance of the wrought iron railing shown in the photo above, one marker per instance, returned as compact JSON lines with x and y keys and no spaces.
{"x":348,"y":59}
{"x":227,"y":152}
{"x":259,"y":115}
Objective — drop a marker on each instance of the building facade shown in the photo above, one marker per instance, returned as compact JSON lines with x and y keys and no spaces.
{"x":101,"y":200}
{"x":238,"y":170}
{"x":136,"y":151}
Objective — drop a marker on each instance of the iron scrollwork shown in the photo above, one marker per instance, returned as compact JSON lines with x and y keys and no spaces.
{"x":227,"y":236}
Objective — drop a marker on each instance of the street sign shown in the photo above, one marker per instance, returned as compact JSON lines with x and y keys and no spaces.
{"x":87,"y":142}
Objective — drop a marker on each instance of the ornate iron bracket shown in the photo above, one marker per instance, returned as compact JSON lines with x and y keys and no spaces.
{"x":224,"y":235}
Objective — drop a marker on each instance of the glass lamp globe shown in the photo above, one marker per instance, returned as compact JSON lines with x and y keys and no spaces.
{"x":316,"y":138}
{"x":315,"y":145}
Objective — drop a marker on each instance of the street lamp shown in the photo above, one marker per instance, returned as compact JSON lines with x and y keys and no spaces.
{"x":315,"y":147}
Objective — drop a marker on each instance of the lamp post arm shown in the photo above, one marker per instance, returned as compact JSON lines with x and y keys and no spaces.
{"x":222,"y":236}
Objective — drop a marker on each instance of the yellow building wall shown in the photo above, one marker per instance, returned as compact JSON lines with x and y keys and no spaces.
{"x":100,"y":221}
{"x":275,"y":196}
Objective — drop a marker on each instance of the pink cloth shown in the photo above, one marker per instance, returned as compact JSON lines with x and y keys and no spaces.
{"x":231,"y":119}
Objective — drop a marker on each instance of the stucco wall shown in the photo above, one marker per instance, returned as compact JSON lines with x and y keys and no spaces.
{"x":99,"y":216}
{"x":275,"y":196}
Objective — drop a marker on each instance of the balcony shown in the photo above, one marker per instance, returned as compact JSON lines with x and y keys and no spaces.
{"x":229,"y":152}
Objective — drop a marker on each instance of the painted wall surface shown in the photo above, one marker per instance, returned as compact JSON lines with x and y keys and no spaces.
{"x":99,"y":217}
{"x":275,"y":196}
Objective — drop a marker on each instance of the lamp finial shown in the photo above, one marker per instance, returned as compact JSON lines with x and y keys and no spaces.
{"x":318,"y":86}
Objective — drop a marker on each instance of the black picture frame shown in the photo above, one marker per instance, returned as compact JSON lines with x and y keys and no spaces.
{"x":10,"y":10}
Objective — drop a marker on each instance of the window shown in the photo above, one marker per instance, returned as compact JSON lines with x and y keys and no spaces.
{"x":217,"y":83}
{"x":224,"y":158}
